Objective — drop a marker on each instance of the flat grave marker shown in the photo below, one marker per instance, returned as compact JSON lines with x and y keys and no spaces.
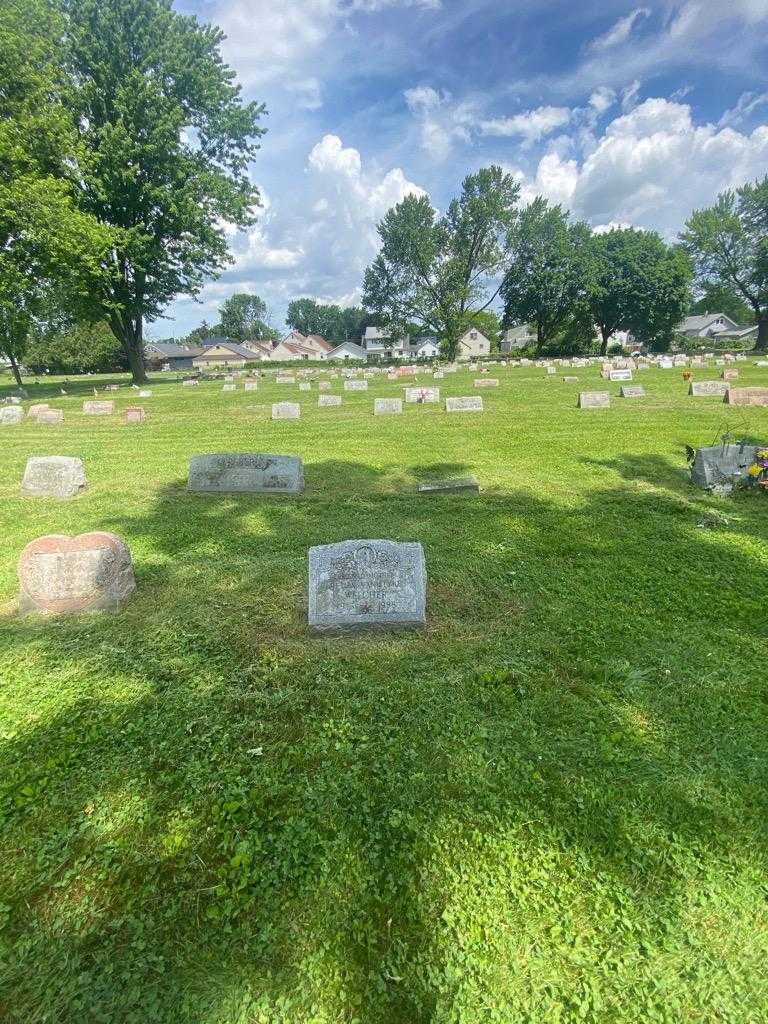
{"x":245,"y":473}
{"x":468,"y":403}
{"x":594,"y":400}
{"x":704,"y":388}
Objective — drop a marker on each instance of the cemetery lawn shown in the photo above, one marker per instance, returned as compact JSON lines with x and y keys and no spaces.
{"x":550,"y":806}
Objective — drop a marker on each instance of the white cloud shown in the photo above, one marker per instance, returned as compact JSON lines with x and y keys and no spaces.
{"x":602,"y":99}
{"x":531,"y":126}
{"x":441,"y":122}
{"x":621,"y":31}
{"x":747,"y":104}
{"x":651,"y":167}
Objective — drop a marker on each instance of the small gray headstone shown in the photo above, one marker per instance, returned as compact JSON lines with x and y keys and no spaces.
{"x":145,"y":393}
{"x":67,"y":575}
{"x":190,"y":383}
{"x":449,"y":486}
{"x":10,"y":415}
{"x":328,"y":400}
{"x":471,"y":403}
{"x":324,"y":385}
{"x":632,"y":392}
{"x":486,"y":382}
{"x":355,"y":385}
{"x":53,"y":476}
{"x":594,"y":400}
{"x":286,"y":411}
{"x":570,"y":380}
{"x":229,"y":387}
{"x":701,"y":388}
{"x":245,"y":472}
{"x":305,"y":386}
{"x":251,"y":385}
{"x":620,"y":375}
{"x":285,"y":379}
{"x":34,"y":410}
{"x":134,"y":414}
{"x":722,"y":465}
{"x":95,"y":408}
{"x":366,"y":584}
{"x":387,"y":406}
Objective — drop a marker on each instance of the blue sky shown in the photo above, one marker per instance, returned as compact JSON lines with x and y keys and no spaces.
{"x":625,"y":113}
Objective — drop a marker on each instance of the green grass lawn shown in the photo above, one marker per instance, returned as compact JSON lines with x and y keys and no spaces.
{"x":550,"y":806}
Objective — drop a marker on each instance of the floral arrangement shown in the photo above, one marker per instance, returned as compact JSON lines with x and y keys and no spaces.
{"x":757,"y":473}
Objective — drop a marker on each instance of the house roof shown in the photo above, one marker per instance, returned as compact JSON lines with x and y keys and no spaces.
{"x":297,"y":349}
{"x":320,"y":341}
{"x":230,"y":346}
{"x":700,"y":323}
{"x":375,"y":334}
{"x":170,"y":351}
{"x":517,"y":333}
{"x":357,"y":350}
{"x":739,"y":332}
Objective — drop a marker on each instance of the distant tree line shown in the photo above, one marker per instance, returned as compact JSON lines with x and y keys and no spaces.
{"x":572,"y":287}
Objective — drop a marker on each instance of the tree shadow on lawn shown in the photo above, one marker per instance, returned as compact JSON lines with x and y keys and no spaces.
{"x":224,"y":805}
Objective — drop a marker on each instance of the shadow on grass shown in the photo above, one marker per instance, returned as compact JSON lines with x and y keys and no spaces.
{"x":224,"y":818}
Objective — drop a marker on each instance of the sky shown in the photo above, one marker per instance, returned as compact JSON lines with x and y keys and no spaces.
{"x":624,"y":114}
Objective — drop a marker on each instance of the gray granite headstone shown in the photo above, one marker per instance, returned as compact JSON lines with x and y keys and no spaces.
{"x":251,"y":385}
{"x":94,"y":408}
{"x":246,"y":472}
{"x":747,"y":396}
{"x":632,"y":392}
{"x":471,"y":403}
{"x":145,"y":393}
{"x":387,"y":406}
{"x":449,"y":486}
{"x":53,"y":476}
{"x":486,"y":382}
{"x":620,"y":375}
{"x":594,"y":400}
{"x":305,"y":386}
{"x":10,"y":415}
{"x":325,"y":401}
{"x":700,"y":388}
{"x":722,"y":465}
{"x":229,"y":387}
{"x":68,"y":575}
{"x":570,"y":380}
{"x":355,"y":385}
{"x":362,"y":585}
{"x":286,"y":411}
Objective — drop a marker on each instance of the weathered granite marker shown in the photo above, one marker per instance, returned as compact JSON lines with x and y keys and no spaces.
{"x":53,"y":476}
{"x":387,"y":406}
{"x":632,"y":392}
{"x":63,"y":575}
{"x":746,"y":396}
{"x":362,"y":585}
{"x":325,"y":401}
{"x":722,"y":465}
{"x":702,"y":388}
{"x":594,"y":400}
{"x":470,"y":403}
{"x":486,"y":382}
{"x":10,"y":415}
{"x":450,"y":486}
{"x":355,"y":385}
{"x":135,"y":414}
{"x":286,"y":411}
{"x":423,"y":396}
{"x":98,"y":408}
{"x":51,"y":417}
{"x":254,"y":473}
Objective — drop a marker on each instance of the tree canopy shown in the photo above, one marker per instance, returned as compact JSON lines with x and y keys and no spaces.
{"x":335,"y":323}
{"x":245,"y":317}
{"x":440,"y":272}
{"x":167,"y":142}
{"x":728,"y":243}
{"x":49,"y":249}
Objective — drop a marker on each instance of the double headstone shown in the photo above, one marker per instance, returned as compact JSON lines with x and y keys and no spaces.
{"x":470,"y":403}
{"x":286,"y":411}
{"x":486,"y":382}
{"x":325,"y":401}
{"x":747,"y":396}
{"x":422,"y":395}
{"x":594,"y":400}
{"x":355,"y":385}
{"x":95,"y":408}
{"x":362,"y":585}
{"x":245,"y":472}
{"x":702,"y":388}
{"x":632,"y":392}
{"x":387,"y":406}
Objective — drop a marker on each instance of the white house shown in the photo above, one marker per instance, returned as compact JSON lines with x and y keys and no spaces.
{"x":295,"y":346}
{"x":379,"y":345}
{"x":347,"y":350}
{"x":516,"y":338}
{"x":424,"y":348}
{"x":472,"y":344}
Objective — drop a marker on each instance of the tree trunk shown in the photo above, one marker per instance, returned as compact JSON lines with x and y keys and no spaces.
{"x":16,"y":371}
{"x":762,"y":335}
{"x":605,"y":334}
{"x":130,"y":337}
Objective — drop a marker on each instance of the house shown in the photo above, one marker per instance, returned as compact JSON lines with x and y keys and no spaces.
{"x":158,"y":354}
{"x":379,"y":345}
{"x":516,"y":338}
{"x":348,"y":350}
{"x":472,"y":344}
{"x":221,"y":353}
{"x":426,"y":347}
{"x":295,"y":346}
{"x":707,"y":326}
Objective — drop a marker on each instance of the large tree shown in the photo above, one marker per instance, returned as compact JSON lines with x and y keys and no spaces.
{"x":245,"y":317}
{"x":49,"y":249}
{"x":440,"y":272}
{"x":728,"y":243}
{"x":544,"y":283}
{"x":74,"y":348}
{"x":168,"y":141}
{"x":715,"y":297}
{"x":335,"y":323}
{"x":633,"y":281}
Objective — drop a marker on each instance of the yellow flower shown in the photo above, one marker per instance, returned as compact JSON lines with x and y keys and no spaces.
{"x":763,"y":453}
{"x":755,"y":470}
